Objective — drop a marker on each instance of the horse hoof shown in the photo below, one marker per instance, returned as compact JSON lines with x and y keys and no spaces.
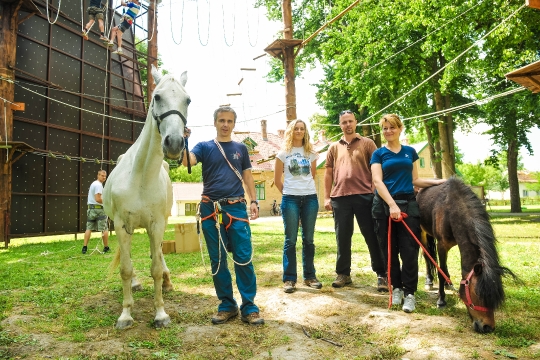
{"x":162,"y":323}
{"x":441,"y":305}
{"x":124,"y":324}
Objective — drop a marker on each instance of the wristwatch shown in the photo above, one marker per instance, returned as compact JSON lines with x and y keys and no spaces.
{"x":254,"y":202}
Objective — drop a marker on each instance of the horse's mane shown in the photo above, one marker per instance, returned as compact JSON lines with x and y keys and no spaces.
{"x":480,"y":232}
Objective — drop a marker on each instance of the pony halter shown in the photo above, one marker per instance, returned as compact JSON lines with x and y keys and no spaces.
{"x":468,"y":302}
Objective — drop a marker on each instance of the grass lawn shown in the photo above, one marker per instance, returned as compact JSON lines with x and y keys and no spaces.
{"x":59,"y":303}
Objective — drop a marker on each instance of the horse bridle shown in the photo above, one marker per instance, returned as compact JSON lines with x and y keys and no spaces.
{"x":468,"y":302}
{"x":161,"y":117}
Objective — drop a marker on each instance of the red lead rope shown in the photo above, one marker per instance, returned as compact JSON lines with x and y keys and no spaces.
{"x":401,"y":219}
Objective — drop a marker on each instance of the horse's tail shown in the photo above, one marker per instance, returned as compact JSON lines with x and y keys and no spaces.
{"x":115,"y":262}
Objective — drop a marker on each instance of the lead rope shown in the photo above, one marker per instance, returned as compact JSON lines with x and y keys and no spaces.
{"x":402,"y":218}
{"x":217,"y":208}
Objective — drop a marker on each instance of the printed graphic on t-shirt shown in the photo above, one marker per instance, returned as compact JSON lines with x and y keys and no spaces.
{"x":299,"y":165}
{"x":236,"y":155}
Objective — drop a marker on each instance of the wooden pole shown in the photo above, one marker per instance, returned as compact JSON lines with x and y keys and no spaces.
{"x":8,"y":44}
{"x":152,"y":54}
{"x":288,"y":63}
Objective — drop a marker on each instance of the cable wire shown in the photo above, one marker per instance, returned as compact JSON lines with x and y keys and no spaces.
{"x":422,"y":38}
{"x":448,"y":64}
{"x":199,"y":24}
{"x":258,"y":24}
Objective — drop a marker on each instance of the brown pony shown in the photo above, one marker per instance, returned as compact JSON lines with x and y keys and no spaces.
{"x":454,"y":215}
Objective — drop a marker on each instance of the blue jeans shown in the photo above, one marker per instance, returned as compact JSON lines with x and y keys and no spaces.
{"x":293,"y":209}
{"x":239,"y":236}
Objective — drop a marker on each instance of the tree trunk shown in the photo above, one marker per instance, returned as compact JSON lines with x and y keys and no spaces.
{"x":512,"y":162}
{"x":447,"y":169}
{"x":450,"y":130}
{"x":435,"y":164}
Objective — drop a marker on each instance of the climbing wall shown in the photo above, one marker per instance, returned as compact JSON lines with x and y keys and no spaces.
{"x":66,"y":84}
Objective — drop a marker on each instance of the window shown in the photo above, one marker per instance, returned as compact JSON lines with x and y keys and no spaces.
{"x":259,"y":190}
{"x":525,"y":193}
{"x":422,"y":162}
{"x":191,"y":209}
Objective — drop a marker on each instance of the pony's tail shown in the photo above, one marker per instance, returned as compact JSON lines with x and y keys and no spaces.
{"x":115,"y":262}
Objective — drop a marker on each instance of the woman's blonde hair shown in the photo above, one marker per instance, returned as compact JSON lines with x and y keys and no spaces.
{"x":393,"y":119}
{"x":289,"y":135}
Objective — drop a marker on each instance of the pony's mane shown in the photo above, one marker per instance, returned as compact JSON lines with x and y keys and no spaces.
{"x":481,"y":234}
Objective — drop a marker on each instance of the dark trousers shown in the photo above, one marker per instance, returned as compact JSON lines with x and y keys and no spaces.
{"x":346,"y":208}
{"x":403,"y":245}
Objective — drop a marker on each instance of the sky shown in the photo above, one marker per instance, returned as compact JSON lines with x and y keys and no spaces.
{"x":212,"y":40}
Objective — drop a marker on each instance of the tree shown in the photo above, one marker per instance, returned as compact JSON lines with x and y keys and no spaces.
{"x":180,"y":174}
{"x":380,"y":51}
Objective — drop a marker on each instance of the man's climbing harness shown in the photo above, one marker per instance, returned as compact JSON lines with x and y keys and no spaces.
{"x":217,"y":216}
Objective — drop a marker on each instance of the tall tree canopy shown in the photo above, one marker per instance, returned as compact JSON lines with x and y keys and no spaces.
{"x":414,"y":57}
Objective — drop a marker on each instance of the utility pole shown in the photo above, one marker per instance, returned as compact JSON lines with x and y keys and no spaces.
{"x":8,"y":44}
{"x":152,"y":51}
{"x":287,"y":48}
{"x":284,"y":49}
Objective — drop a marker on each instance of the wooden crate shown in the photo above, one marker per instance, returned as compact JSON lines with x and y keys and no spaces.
{"x":168,"y":246}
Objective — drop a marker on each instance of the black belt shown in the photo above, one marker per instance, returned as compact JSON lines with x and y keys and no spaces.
{"x":408,"y":197}
{"x":95,"y":206}
{"x":228,"y":201}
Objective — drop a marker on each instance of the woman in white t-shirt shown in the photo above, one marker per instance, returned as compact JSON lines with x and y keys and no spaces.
{"x":296,"y":163}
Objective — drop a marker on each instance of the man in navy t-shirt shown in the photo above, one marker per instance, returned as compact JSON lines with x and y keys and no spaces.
{"x":225,"y":167}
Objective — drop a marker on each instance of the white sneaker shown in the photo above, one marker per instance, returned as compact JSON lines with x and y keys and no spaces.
{"x":397,"y":296}
{"x":118,"y":51}
{"x":409,"y":304}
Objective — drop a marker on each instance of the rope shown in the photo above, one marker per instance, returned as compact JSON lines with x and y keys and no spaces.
{"x":448,"y":64}
{"x":153,"y":27}
{"x":199,"y":24}
{"x":182,"y":23}
{"x":216,"y":215}
{"x":234,"y":24}
{"x":57,"y":12}
{"x":401,"y":219}
{"x":258,"y":24}
{"x":5,"y":129}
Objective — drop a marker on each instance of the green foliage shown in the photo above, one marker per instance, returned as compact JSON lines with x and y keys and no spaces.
{"x":489,"y":177}
{"x":534,"y":186}
{"x":180,"y":174}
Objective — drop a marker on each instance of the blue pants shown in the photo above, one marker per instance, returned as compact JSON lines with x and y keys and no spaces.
{"x":239,"y":237}
{"x":346,"y":208}
{"x":293,"y":209}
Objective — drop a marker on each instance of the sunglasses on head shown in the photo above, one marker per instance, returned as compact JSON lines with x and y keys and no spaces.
{"x":345,"y":112}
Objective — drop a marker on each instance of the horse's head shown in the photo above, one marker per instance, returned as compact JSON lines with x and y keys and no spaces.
{"x":480,"y":312}
{"x":169,"y":109}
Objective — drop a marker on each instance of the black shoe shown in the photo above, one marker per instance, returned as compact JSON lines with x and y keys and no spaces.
{"x":106,"y":249}
{"x":382,"y":284}
{"x":84,"y":249}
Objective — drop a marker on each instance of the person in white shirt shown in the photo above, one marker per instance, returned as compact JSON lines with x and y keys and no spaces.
{"x":96,"y":218}
{"x":294,"y":174}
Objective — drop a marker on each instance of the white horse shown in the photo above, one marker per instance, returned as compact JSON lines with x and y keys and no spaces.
{"x":138,"y":192}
